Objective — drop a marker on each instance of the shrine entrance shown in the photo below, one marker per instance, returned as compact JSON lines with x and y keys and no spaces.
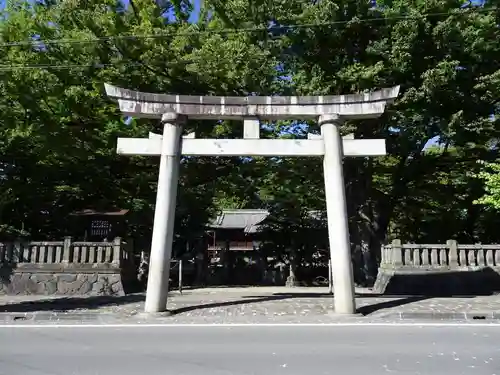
{"x":175,"y":110}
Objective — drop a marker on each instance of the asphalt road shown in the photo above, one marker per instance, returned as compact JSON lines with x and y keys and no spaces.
{"x":350,"y":350}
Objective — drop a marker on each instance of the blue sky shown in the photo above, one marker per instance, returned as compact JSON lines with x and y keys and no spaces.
{"x":197,"y":6}
{"x":193,"y":18}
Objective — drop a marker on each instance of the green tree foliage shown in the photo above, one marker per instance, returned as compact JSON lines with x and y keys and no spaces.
{"x":443,"y":55}
{"x":490,"y":175}
{"x":58,"y":130}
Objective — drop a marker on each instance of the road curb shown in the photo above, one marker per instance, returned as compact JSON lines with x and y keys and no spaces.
{"x":38,"y":316}
{"x":83,"y":317}
{"x":436,"y":315}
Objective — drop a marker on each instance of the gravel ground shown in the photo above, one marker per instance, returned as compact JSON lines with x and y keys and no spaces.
{"x":254,"y":305}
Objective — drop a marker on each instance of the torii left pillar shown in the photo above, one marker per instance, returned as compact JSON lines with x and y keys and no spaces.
{"x":336,"y":211}
{"x":163,"y":227}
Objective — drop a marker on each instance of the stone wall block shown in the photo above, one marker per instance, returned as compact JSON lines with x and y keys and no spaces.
{"x":66,"y":278}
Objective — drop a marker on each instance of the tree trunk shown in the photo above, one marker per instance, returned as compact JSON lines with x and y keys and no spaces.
{"x":369,"y":213}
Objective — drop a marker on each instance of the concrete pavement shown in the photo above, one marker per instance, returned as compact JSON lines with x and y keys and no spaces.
{"x":179,"y":350}
{"x":253,"y":305}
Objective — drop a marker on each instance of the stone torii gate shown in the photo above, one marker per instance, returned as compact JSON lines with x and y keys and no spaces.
{"x":174,"y":110}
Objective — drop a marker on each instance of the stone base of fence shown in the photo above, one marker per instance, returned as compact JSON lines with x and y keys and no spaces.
{"x":42,"y":280}
{"x":63,"y":268}
{"x":485,"y":281}
{"x":447,"y":269}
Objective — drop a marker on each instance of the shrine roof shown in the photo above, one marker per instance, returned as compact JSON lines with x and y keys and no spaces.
{"x":90,"y":212}
{"x":248,"y":219}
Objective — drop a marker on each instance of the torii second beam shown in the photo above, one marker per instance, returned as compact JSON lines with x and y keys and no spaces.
{"x":252,"y":147}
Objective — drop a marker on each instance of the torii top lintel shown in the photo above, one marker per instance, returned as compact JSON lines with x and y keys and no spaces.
{"x":353,"y":106}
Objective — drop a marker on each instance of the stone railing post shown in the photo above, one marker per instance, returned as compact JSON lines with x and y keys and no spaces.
{"x":66,"y":250}
{"x":9,"y":249}
{"x":397,"y":253}
{"x":452,"y":253}
{"x":16,"y":252}
{"x":386,"y":260}
{"x":117,"y":251}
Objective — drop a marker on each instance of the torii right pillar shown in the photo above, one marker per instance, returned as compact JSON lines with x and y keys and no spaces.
{"x":336,"y":211}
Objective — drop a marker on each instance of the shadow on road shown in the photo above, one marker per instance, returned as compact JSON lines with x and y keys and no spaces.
{"x":244,"y":301}
{"x":95,"y":302}
{"x":370,"y":309}
{"x":364,"y":310}
{"x":71,"y":303}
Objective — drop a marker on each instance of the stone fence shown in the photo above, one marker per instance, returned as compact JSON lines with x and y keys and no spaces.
{"x":447,"y":268}
{"x":63,"y":267}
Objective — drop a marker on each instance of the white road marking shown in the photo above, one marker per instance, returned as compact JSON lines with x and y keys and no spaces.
{"x":244,"y":325}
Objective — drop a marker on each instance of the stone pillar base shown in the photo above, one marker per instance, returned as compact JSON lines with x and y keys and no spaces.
{"x":382,"y":281}
{"x":291,"y":282}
